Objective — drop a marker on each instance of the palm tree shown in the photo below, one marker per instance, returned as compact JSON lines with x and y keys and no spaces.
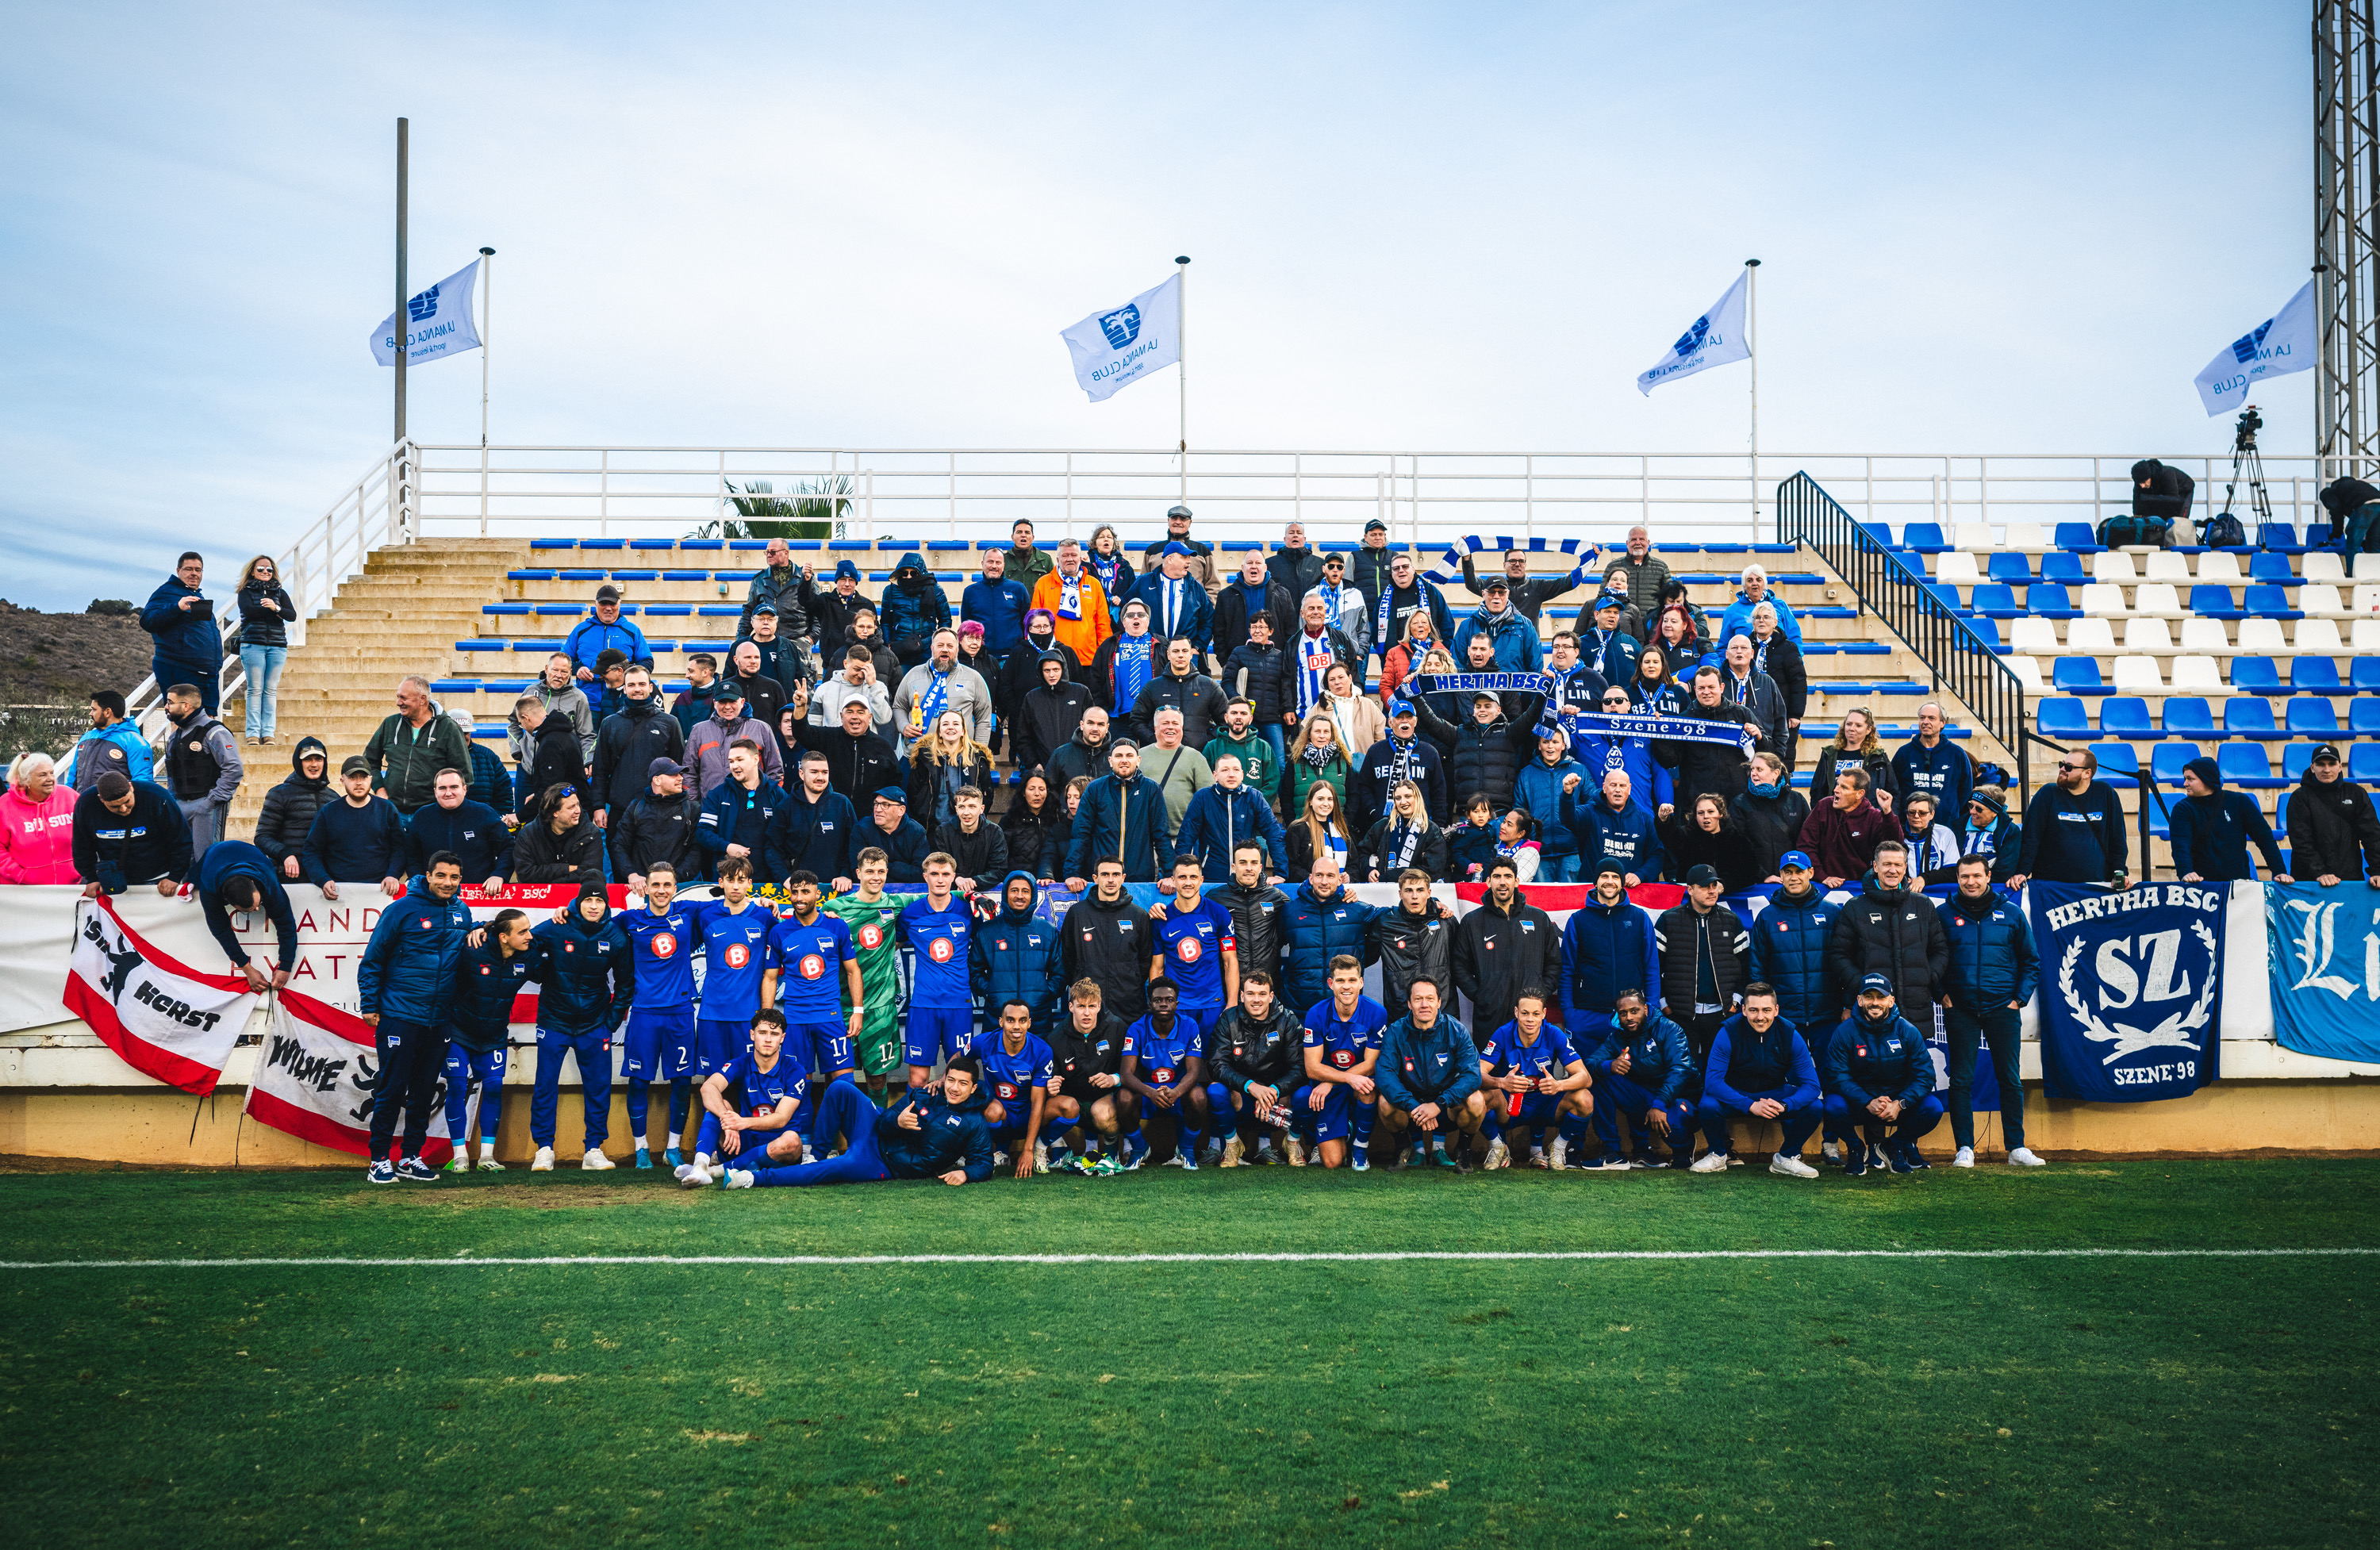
{"x":813,"y":511}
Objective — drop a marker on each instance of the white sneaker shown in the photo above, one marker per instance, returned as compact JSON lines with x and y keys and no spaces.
{"x":1557,"y":1156}
{"x":1173,"y":1161}
{"x":1295,"y":1147}
{"x":1734,"y":1162}
{"x":1040,"y":1156}
{"x":487,"y":1163}
{"x":1965,"y":1157}
{"x":543,"y":1161}
{"x":1231,"y":1153}
{"x":739,"y":1178}
{"x":1831,"y":1151}
{"x":2024,"y":1157}
{"x":1791,"y":1166}
{"x":1498,"y":1155}
{"x":1709,"y":1162}
{"x":999,"y":1158}
{"x":693,"y":1176}
{"x":595,"y":1161}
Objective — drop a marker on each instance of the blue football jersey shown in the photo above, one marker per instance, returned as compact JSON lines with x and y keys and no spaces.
{"x":754,"y":1093}
{"x":663,"y":947}
{"x":1163,"y":1055}
{"x":1550,"y":1056}
{"x":809,"y":960}
{"x":1192,"y":943}
{"x":940,"y":977}
{"x":1345,"y":1045}
{"x":734,"y":952}
{"x":1006,"y":1076}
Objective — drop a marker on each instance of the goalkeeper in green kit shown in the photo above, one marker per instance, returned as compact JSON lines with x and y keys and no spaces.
{"x":869,"y":911}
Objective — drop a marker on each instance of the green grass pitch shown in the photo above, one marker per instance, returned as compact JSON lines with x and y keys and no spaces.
{"x":1971,"y":1402}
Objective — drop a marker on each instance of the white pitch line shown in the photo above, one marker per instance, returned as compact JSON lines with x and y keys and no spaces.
{"x":1382,"y":1256}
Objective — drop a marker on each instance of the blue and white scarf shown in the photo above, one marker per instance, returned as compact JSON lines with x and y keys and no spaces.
{"x":938,"y":693}
{"x":1672,"y":729}
{"x":1134,"y":665}
{"x":1070,"y":595}
{"x":1314,"y":658}
{"x":1107,"y":570}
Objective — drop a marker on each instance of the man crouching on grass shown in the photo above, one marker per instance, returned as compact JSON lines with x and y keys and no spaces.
{"x":925,"y":1134}
{"x":1430,"y":1081}
{"x":750,"y":1106}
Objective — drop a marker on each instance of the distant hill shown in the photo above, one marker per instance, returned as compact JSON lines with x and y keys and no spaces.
{"x":55,"y":662}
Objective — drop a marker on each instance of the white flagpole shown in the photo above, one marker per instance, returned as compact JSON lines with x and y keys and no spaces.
{"x":1752,"y":344}
{"x":486,"y":316}
{"x":1181,"y":366}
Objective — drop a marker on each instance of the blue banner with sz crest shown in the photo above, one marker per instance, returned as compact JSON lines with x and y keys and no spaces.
{"x":2131,"y":995}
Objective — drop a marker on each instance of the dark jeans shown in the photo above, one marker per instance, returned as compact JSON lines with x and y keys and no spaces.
{"x":208,"y":680}
{"x":412,"y":1059}
{"x":2003,"y":1029}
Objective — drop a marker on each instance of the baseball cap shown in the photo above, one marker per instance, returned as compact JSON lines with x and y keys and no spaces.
{"x":1609,"y":600}
{"x":607,"y":593}
{"x":1494,"y":584}
{"x":1176,"y":546}
{"x":1874,"y":985}
{"x":760,"y":608}
{"x":1699,"y":876}
{"x":2327,"y":754}
{"x":1375,"y":526}
{"x":355,"y":764}
{"x":892,"y":793}
{"x":1401,"y":707}
{"x":1796,"y":859}
{"x":662,"y":766}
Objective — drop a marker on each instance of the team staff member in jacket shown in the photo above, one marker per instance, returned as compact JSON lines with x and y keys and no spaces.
{"x":1504,"y":946}
{"x":478,"y":1030}
{"x":1759,"y":1068}
{"x":289,"y":807}
{"x":1109,"y":940}
{"x":404,"y":987}
{"x":1086,"y":1087}
{"x":1323,"y":923}
{"x":1415,"y":941}
{"x":1643,"y":1070}
{"x":1256,"y":1053}
{"x":1221,"y":816}
{"x":742,"y":817}
{"x":1789,"y":952}
{"x":1122,"y":814}
{"x":1880,"y":1078}
{"x":234,"y":875}
{"x":2074,"y":830}
{"x":2333,"y":831}
{"x":1428,"y":1075}
{"x":128,"y":832}
{"x":1608,"y":948}
{"x":1992,"y":973}
{"x":1706,"y":955}
{"x":658,"y":828}
{"x":1891,"y":929}
{"x":1016,"y":958}
{"x":2214,"y":828}
{"x":590,"y":978}
{"x":1259,"y":912}
{"x":628,"y":743}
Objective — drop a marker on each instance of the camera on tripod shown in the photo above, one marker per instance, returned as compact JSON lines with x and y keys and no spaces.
{"x":2243,"y":437}
{"x":2227,"y":531}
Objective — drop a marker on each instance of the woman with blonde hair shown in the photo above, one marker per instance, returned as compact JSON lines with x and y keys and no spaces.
{"x":1855,"y":748}
{"x":1319,"y":830}
{"x":1404,"y":659}
{"x":1360,"y":719}
{"x":265,"y":611}
{"x":1317,"y":756}
{"x":37,"y":824}
{"x":1405,"y":837}
{"x":946,"y":759}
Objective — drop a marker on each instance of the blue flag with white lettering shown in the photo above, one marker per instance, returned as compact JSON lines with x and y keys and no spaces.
{"x":2326,"y":975}
{"x":2131,"y":992}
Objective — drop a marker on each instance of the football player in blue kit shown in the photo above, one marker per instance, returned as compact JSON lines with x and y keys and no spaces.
{"x":753,"y":1108}
{"x":925,"y":1134}
{"x":1017,"y":1064}
{"x":1339,"y":1101}
{"x":1534,"y":1081}
{"x":733,"y":931}
{"x":495,"y":969}
{"x":1165,"y":1062}
{"x":937,"y":929}
{"x":658,"y":1045}
{"x":1194,"y":947}
{"x":812,"y":966}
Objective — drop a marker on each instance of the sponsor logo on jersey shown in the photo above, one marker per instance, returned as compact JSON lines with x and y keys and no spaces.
{"x":737,"y":955}
{"x":940,"y":949}
{"x":871,"y":935}
{"x":1187,"y":950}
{"x":812,"y":966}
{"x":664,"y":945}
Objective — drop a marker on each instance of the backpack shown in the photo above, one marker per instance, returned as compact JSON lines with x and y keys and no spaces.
{"x":2125,"y":530}
{"x":2223,"y":531}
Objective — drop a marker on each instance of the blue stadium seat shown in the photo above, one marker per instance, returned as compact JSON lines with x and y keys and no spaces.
{"x":849,"y":545}
{"x":528,"y":576}
{"x":1985,"y":628}
{"x":2048,"y":599}
{"x":2064,"y":718}
{"x":2279,"y":538}
{"x":2187,"y":716}
{"x":2213,"y":601}
{"x":2317,"y":535}
{"x":2244,"y":764}
{"x":2256,"y":675}
{"x":2363,"y":762}
{"x":507,"y":608}
{"x":1881,"y":532}
{"x":753,"y":545}
{"x":702,"y":543}
{"x":2273,"y":568}
{"x":2063,"y":568}
{"x":2265,"y":602}
{"x":1923,"y":538}
{"x":2363,"y":676}
{"x":653,"y":543}
{"x":554,"y":543}
{"x":2078,"y":538}
{"x":2119,"y":765}
{"x":936,"y":545}
{"x":685,"y":576}
{"x":2014,"y":569}
{"x":603,"y":543}
{"x":580,"y":574}
{"x":479,"y":646}
{"x":2160,"y":817}
{"x":669,"y":610}
{"x":2309,"y":716}
{"x":1996,"y":601}
{"x":2249,"y":717}
{"x":2296,"y":759}
{"x":1948,"y":595}
{"x":2316,"y":675}
{"x":2166,"y":758}
{"x":636,"y":576}
{"x":2281,"y":822}
{"x":2125,"y":716}
{"x":2077,"y":675}
{"x":2364,"y":718}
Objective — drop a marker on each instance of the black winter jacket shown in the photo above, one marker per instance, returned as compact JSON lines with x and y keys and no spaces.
{"x":289,"y":807}
{"x":1257,"y":926}
{"x":1110,"y":944}
{"x":2333,"y":831}
{"x":858,"y":766}
{"x":1729,"y":852}
{"x":259,"y":626}
{"x":1413,"y":948}
{"x":1897,"y":935}
{"x":1271,"y":1053}
{"x":626,"y":747}
{"x":982,"y":855}
{"x":1196,"y":697}
{"x":1877,"y":762}
{"x":1703,"y":767}
{"x":1497,"y":956}
{"x":655,"y":829}
{"x":1044,"y":722}
{"x":540,"y":855}
{"x":1769,"y":825}
{"x":1379,"y":852}
{"x":1078,"y":1057}
{"x":1683,"y":938}
{"x":1481,"y":759}
{"x":554,"y":762}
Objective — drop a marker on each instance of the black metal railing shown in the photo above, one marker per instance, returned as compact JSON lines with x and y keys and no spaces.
{"x":1962,"y":660}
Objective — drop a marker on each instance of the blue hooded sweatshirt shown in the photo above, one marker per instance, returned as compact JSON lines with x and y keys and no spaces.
{"x":226,"y":859}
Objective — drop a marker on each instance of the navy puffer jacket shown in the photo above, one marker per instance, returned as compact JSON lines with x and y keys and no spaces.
{"x":1789,"y":951}
{"x":588,"y":973}
{"x":1016,"y":959}
{"x":1607,"y":949}
{"x":1992,"y":957}
{"x":408,"y":967}
{"x":914,"y":606}
{"x":1319,"y":932}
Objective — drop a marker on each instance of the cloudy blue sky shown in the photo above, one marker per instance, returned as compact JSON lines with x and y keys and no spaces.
{"x":2013,"y":229}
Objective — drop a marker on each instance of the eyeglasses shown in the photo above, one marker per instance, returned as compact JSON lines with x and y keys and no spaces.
{"x":2068,"y":768}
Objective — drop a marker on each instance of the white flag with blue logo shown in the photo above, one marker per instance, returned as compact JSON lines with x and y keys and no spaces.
{"x":1715,"y":338}
{"x":2280,"y":345}
{"x":1127,"y":343}
{"x":437,"y":322}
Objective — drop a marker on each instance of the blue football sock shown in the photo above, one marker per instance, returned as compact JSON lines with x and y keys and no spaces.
{"x":681,"y":1099}
{"x":1574,"y":1129}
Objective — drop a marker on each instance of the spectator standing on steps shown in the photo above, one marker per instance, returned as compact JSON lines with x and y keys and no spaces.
{"x":1929,"y":762}
{"x":1024,"y":564}
{"x":628,"y":745}
{"x":1646,"y":573}
{"x":2333,"y":831}
{"x":2214,"y":828}
{"x":413,"y":745}
{"x":290,"y":808}
{"x":187,"y":640}
{"x":357,"y":838}
{"x":201,"y":764}
{"x":1200,"y":554}
{"x":707,"y":745}
{"x":605,"y":631}
{"x":784,"y":586}
{"x":2074,"y":830}
{"x":998,"y":604}
{"x":37,"y":824}
{"x":557,"y":692}
{"x":554,"y":757}
{"x":474,"y":832}
{"x":265,"y":611}
{"x":113,"y":743}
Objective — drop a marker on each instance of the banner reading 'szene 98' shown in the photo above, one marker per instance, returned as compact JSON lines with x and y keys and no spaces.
{"x":2132,"y":997}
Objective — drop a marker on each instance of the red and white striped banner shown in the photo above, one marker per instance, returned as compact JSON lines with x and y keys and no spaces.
{"x":315,"y":1075}
{"x":164,"y":1017}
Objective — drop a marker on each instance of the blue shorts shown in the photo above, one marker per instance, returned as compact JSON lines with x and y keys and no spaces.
{"x":718,"y":1040}
{"x":820,"y":1046}
{"x":932,"y":1034}
{"x":752,"y":1143}
{"x":1206,"y":1017}
{"x":1338,"y":1109}
{"x":658,"y":1044}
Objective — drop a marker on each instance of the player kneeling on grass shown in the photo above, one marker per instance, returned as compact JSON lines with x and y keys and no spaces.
{"x":1335,"y":1109}
{"x":1087,"y":1082}
{"x":752,"y":1110}
{"x":1257,"y":1058}
{"x":1759,"y":1068}
{"x":1430,"y":1081}
{"x":1166,"y":1066}
{"x":925,"y":1134}
{"x":494,"y":970}
{"x":1643,"y":1069}
{"x":1016,"y":1065}
{"x":585,"y":962}
{"x":1880,"y":1078}
{"x":1530,"y":1070}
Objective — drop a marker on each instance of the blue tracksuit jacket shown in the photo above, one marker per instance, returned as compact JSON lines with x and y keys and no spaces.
{"x":1439,"y":1065}
{"x":1217,"y":819}
{"x":1885,"y":1059}
{"x":588,"y":973}
{"x":1627,"y":837}
{"x":1016,"y":957}
{"x":408,"y":966}
{"x":1607,"y":949}
{"x":593,"y":638}
{"x":1659,"y":1060}
{"x":1744,"y":1065}
{"x":945,"y":1138}
{"x":1992,"y":958}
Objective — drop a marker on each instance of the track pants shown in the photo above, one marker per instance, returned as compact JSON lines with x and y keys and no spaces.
{"x":466,"y":1068}
{"x":848,"y":1109}
{"x":594,"y":1052}
{"x":1615,"y":1095}
{"x":412,"y":1057}
{"x":1916,"y":1119}
{"x":1719,"y":1118}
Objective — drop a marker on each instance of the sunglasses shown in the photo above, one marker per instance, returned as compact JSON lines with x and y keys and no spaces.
{"x":2065,"y":769}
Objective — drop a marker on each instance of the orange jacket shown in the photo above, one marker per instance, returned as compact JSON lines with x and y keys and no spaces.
{"x":1081,"y":636}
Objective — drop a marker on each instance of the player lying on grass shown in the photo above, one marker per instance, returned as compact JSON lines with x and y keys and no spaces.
{"x":1087,"y":1084}
{"x":1165,"y":1065}
{"x":1334,"y":1110}
{"x":925,"y":1134}
{"x":752,"y":1107}
{"x":1537,"y":1083}
{"x":1016,"y":1069}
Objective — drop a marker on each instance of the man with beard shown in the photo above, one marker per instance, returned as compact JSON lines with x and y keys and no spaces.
{"x":1257,"y":1057}
{"x":1502,"y":948}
